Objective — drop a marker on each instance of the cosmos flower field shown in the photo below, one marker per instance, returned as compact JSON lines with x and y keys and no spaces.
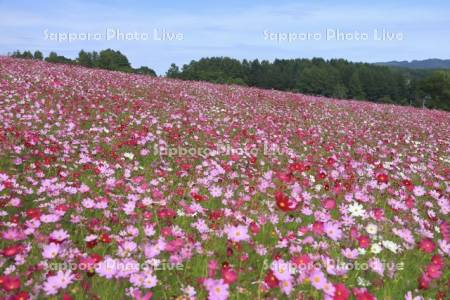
{"x":119,"y":186}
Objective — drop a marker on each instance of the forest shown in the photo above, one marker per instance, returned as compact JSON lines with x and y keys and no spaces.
{"x":336,"y":78}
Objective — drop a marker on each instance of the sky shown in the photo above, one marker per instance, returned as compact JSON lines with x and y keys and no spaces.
{"x":158,"y":33}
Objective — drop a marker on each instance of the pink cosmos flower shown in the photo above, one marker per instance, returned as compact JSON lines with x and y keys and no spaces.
{"x":282,"y":270}
{"x":237,"y":233}
{"x":145,"y":296}
{"x":88,"y":203}
{"x":13,"y":234}
{"x":107,"y":268}
{"x":61,"y":280}
{"x":405,"y":234}
{"x":317,"y":279}
{"x":149,"y":281}
{"x":213,"y":266}
{"x":50,"y":251}
{"x":409,"y":296}
{"x":377,"y":266}
{"x":217,"y":289}
{"x":419,"y":191}
{"x":59,"y":235}
{"x":333,"y":231}
{"x":137,"y":279}
{"x":350,"y":253}
{"x":286,"y":286}
{"x":329,"y":289}
{"x":215,"y":191}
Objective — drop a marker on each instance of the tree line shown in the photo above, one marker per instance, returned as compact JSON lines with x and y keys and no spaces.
{"x":336,"y":78}
{"x":106,"y":59}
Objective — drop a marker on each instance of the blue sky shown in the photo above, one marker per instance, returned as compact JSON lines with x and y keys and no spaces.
{"x":413,"y":29}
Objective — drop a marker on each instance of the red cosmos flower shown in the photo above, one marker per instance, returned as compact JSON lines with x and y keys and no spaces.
{"x":166,"y":213}
{"x":433,"y":271}
{"x":329,"y":203}
{"x":7,"y":184}
{"x":66,"y":297}
{"x":147,"y":215}
{"x":216,"y":215}
{"x":93,"y":223}
{"x":33,"y":213}
{"x":406,"y":182}
{"x":284,"y":176}
{"x":234,"y":157}
{"x":271,"y":280}
{"x":297,"y":167}
{"x":437,"y":260}
{"x":254,"y":228}
{"x":96,"y":257}
{"x":305,"y":182}
{"x":354,"y":234}
{"x":301,"y":260}
{"x":337,"y":188}
{"x":12,"y":250}
{"x":427,"y":245}
{"x":186,"y":167}
{"x":63,"y":207}
{"x":225,"y":264}
{"x":378,"y":213}
{"x":382,"y":178}
{"x":229,"y":275}
{"x":166,"y":231}
{"x":365,"y":296}
{"x":441,"y":296}
{"x":22,"y":296}
{"x":105,"y":238}
{"x":91,"y":244}
{"x":341,"y":292}
{"x":321,"y":175}
{"x":318,"y":228}
{"x":15,"y":219}
{"x":179,"y":191}
{"x":410,"y":202}
{"x":331,"y":161}
{"x":284,"y":203}
{"x":277,"y":256}
{"x":197,"y":197}
{"x":10,"y":283}
{"x":364,"y":241}
{"x":424,"y":282}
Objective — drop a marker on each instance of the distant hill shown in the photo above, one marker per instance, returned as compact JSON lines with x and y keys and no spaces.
{"x":433,"y":63}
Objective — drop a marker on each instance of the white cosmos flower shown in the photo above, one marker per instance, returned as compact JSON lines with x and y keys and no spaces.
{"x":128,"y":155}
{"x":376,"y":248}
{"x":371,"y":228}
{"x":393,"y":247}
{"x":356,"y":210}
